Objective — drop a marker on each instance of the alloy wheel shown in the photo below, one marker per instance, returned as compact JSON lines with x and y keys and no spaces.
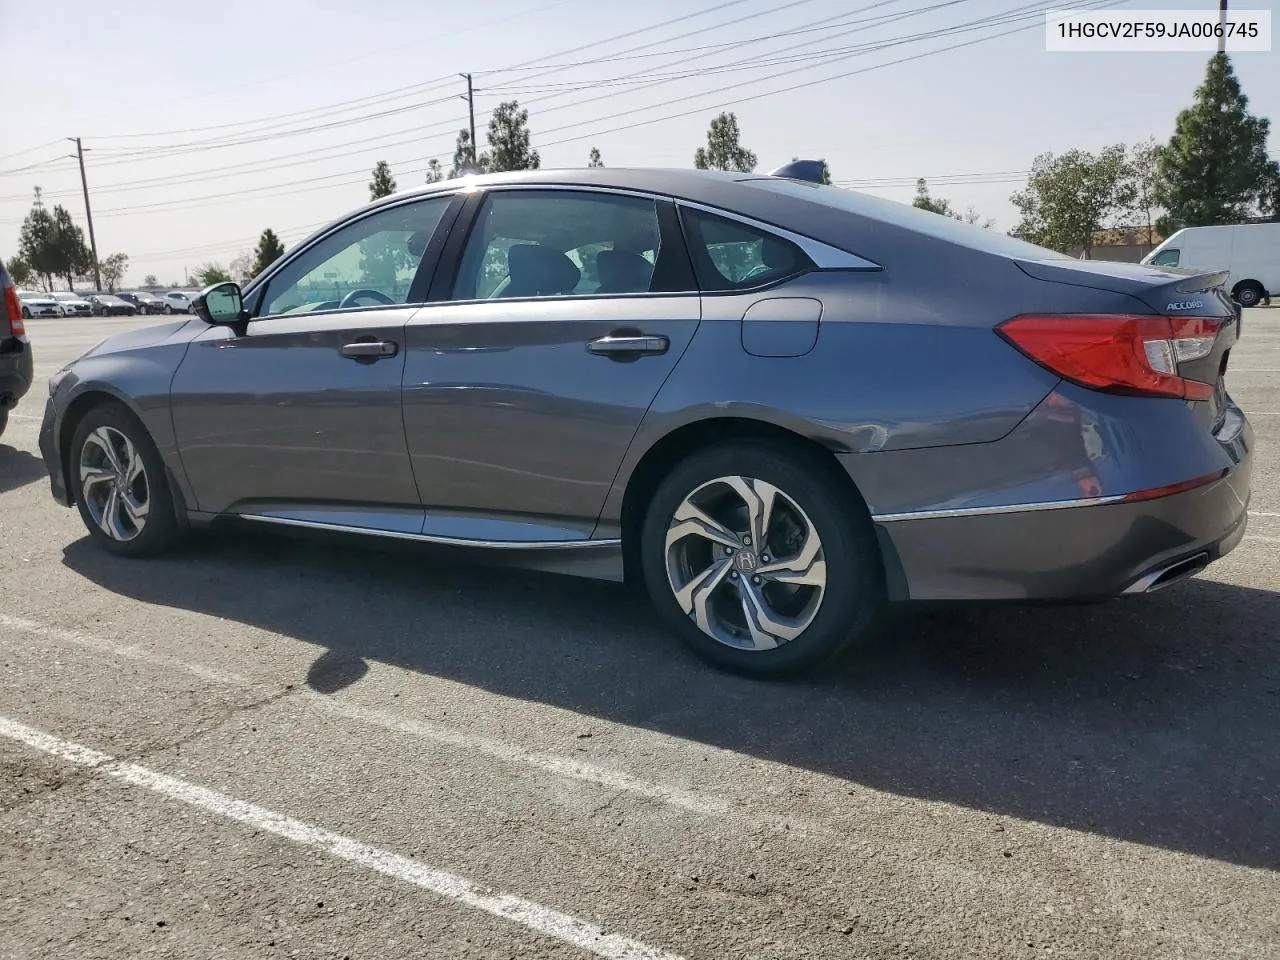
{"x":745,"y":563}
{"x":114,"y":484}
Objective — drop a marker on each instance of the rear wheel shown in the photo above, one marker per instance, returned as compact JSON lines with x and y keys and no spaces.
{"x":1249,"y":293}
{"x":760,"y":559}
{"x":120,"y":485}
{"x":4,"y":421}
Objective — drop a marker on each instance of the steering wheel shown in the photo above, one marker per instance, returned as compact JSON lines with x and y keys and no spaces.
{"x":350,"y":299}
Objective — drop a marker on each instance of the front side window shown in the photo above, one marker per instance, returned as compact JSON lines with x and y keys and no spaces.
{"x":730,"y":255}
{"x":1165,"y":258}
{"x":372,"y":262}
{"x":558,"y":243}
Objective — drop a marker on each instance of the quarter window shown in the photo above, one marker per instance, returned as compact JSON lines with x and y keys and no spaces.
{"x":558,"y":243}
{"x":730,"y":255}
{"x":372,"y":262}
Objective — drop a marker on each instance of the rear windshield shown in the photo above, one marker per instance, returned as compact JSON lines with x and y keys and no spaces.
{"x":909,"y":218}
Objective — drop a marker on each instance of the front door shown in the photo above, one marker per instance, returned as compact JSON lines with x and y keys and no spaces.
{"x":525,"y":387}
{"x":303,"y":410}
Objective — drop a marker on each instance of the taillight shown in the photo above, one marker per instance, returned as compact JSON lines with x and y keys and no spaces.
{"x":1138,"y":356}
{"x":13,"y":312}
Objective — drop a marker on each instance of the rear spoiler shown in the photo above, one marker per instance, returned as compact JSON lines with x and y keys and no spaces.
{"x":808,"y":170}
{"x":1196,"y":283}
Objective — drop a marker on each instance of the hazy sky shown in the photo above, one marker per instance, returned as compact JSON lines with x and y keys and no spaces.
{"x":206,"y":122}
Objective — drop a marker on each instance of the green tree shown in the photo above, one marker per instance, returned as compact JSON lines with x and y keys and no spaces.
{"x":593,"y":158}
{"x":382,"y":184}
{"x":150,"y":280}
{"x":20,"y":271}
{"x":1069,"y":198}
{"x":826,"y":173}
{"x":71,"y":254}
{"x":510,"y":141}
{"x":939,"y":205}
{"x":211,"y":273}
{"x":36,"y":244}
{"x":113,"y":269}
{"x":435,"y":173}
{"x":1143,"y":169}
{"x":724,"y":149}
{"x":270,"y":249}
{"x":462,"y":159}
{"x":924,"y":201}
{"x":1215,"y":169}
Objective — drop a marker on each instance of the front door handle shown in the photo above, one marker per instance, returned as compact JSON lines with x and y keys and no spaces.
{"x":629,"y":347}
{"x":369,"y":350}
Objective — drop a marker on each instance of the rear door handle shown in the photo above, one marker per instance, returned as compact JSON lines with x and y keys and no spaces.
{"x":369,"y":349}
{"x":628,"y":347}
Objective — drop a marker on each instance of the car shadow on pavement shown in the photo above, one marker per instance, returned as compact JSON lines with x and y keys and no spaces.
{"x":18,"y":468}
{"x":1151,"y":720}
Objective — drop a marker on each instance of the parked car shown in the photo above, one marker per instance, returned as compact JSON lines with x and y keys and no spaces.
{"x":144,"y":302}
{"x":1250,"y":252}
{"x":38,"y":304}
{"x":15,"y":350}
{"x":779,"y":404}
{"x":109,"y":305}
{"x":73,"y":305}
{"x":177,"y":301}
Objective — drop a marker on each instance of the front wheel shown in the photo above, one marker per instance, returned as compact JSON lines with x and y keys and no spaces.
{"x":120,"y":485}
{"x":761,"y":559}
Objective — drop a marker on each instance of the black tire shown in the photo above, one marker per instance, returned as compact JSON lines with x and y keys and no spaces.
{"x":161,"y":530}
{"x":4,"y":421}
{"x":854,"y":595}
{"x":168,"y":309}
{"x":1249,"y":293}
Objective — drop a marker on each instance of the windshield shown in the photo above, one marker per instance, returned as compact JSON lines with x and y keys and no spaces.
{"x":909,"y":218}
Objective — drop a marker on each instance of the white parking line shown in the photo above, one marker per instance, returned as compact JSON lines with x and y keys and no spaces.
{"x":23,"y":416}
{"x":534,"y":916}
{"x":499,"y":749}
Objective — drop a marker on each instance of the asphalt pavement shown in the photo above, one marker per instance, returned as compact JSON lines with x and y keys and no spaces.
{"x":271,"y":746}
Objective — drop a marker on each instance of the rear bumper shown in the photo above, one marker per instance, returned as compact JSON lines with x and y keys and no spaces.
{"x":1069,"y":553}
{"x":15,"y":371}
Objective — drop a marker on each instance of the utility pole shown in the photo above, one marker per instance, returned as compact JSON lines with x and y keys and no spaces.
{"x":1222,"y":23}
{"x":88,"y":212}
{"x":471,"y":109}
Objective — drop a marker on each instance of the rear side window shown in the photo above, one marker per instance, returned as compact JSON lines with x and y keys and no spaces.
{"x":1166,"y":258}
{"x":731,"y":255}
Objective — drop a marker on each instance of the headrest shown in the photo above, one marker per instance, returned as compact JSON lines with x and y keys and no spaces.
{"x":539,"y":270}
{"x":623,"y":272}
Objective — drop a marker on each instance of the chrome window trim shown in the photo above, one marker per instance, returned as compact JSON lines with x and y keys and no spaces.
{"x":824,"y":256}
{"x":430,"y":537}
{"x":996,"y":510}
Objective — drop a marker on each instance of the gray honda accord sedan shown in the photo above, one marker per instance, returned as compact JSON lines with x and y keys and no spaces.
{"x":780,"y":404}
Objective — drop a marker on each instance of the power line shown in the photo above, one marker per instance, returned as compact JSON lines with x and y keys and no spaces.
{"x":1019,"y":13}
{"x":269,"y":164}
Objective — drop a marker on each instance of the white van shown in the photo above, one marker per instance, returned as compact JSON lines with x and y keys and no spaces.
{"x":1251,"y":251}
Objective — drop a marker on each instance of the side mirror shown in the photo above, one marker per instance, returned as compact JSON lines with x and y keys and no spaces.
{"x":220,"y":305}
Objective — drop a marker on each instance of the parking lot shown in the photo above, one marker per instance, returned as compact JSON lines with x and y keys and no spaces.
{"x":324,"y":748}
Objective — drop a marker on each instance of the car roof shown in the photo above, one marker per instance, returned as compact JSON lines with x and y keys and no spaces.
{"x":818,"y":211}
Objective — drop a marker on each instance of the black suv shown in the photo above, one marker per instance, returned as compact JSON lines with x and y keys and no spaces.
{"x":15,"y":351}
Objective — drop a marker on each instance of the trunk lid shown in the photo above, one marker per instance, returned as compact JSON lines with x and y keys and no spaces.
{"x":1166,"y":292}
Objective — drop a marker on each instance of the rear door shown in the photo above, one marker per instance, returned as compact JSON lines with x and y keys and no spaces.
{"x":558,"y":317}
